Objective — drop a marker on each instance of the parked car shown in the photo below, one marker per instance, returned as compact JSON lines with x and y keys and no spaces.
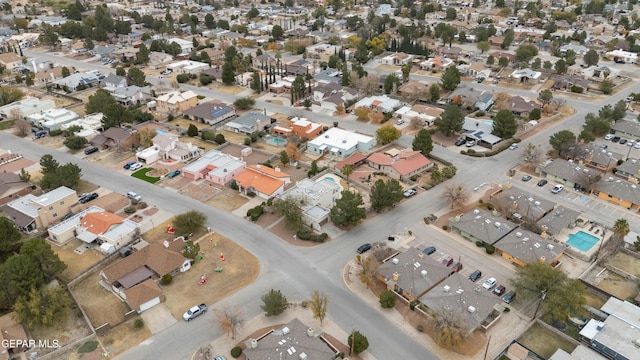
{"x":194,"y":312}
{"x":136,"y":166}
{"x":471,"y":143}
{"x":88,"y":197}
{"x":363,"y":248}
{"x":41,"y":133}
{"x":447,"y":261}
{"x":475,"y":275}
{"x":134,"y":196}
{"x":90,"y":150}
{"x":608,"y":137}
{"x":604,"y":147}
{"x":623,"y":141}
{"x":173,"y":174}
{"x":128,"y":165}
{"x":557,"y":189}
{"x":456,"y":267}
{"x":429,"y":250}
{"x":220,"y":358}
{"x":489,"y":283}
{"x":615,"y":139}
{"x":410,"y":193}
{"x":499,"y":290}
{"x":526,"y":178}
{"x":637,"y":145}
{"x":460,"y":142}
{"x":513,"y":146}
{"x":67,"y":217}
{"x":542,"y":182}
{"x":631,"y":142}
{"x":400,"y":122}
{"x":509,"y":297}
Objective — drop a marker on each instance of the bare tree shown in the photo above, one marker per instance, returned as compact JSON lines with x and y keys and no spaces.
{"x":531,"y":155}
{"x":504,"y":205}
{"x":145,"y":137}
{"x":318,"y":304}
{"x":416,"y":123}
{"x":369,"y":84}
{"x":22,"y":127}
{"x":455,"y":194}
{"x":450,"y":332}
{"x":368,"y":269}
{"x":229,"y":319}
{"x":590,"y":178}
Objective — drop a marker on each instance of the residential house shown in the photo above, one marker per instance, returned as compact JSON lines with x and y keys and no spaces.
{"x":116,"y":138}
{"x":485,"y":101}
{"x":400,"y":165}
{"x":411,"y":273}
{"x":103,"y":51}
{"x":132,"y":95}
{"x":558,"y":219}
{"x":620,"y":192}
{"x":316,"y":197}
{"x":166,"y":146}
{"x":248,"y":123}
{"x":340,"y":143}
{"x":262,"y":181}
{"x":134,"y":277}
{"x":501,"y":54}
{"x":522,"y":247}
{"x":601,"y":72}
{"x":332,"y":94}
{"x":577,"y":49}
{"x":481,"y":131}
{"x":599,"y":159}
{"x":299,"y":68}
{"x":524,"y":75}
{"x":264,"y":61}
{"x":472,"y":306}
{"x":438,"y":63}
{"x":568,"y":173}
{"x":465,"y":96}
{"x":213,"y":113}
{"x":89,"y":126}
{"x":322,"y":51}
{"x":176,"y":102}
{"x":481,"y":225}
{"x":425,"y":115}
{"x":13,"y":338}
{"x":294,"y":340}
{"x":522,"y":206}
{"x":397,"y":59}
{"x":300,"y":127}
{"x":521,"y":107}
{"x":188,"y":67}
{"x":216,"y":55}
{"x":52,"y":119}
{"x":567,"y":82}
{"x":414,"y":89}
{"x":159,"y":59}
{"x":44,"y":77}
{"x":10,"y":60}
{"x":32,"y":212}
{"x":214,"y":73}
{"x":214,"y":166}
{"x":11,"y":187}
{"x":381,"y":103}
{"x":477,"y":70}
{"x":621,"y":55}
{"x":186,"y":46}
{"x":328,"y":75}
{"x":354,"y":161}
{"x":629,"y":170}
{"x":113,"y":81}
{"x":77,"y":81}
{"x":626,"y":129}
{"x":450,"y":52}
{"x":25,"y":107}
{"x":616,"y":336}
{"x":108,"y":230}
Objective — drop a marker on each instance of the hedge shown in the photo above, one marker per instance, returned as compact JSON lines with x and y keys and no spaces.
{"x":307,"y":236}
{"x":255,"y":213}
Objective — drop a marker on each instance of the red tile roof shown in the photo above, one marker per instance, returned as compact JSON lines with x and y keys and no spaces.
{"x":405,"y":163}
{"x":99,"y":222}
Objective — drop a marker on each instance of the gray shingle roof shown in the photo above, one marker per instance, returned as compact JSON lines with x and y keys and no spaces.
{"x":483,"y":225}
{"x":409,"y":268}
{"x":558,"y":219}
{"x":530,"y":247}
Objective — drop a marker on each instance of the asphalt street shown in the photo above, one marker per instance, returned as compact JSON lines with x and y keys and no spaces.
{"x":298,"y":271}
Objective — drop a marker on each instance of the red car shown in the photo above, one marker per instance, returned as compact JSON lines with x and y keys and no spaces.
{"x":456,"y":267}
{"x":447,"y":261}
{"x":499,"y":290}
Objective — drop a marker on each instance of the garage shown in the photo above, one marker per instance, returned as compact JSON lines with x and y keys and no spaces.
{"x":143,"y":296}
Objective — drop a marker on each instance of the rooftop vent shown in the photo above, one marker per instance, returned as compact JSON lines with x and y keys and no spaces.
{"x":525,"y":239}
{"x":476,"y":211}
{"x":416,"y":264}
{"x":497,"y":224}
{"x":537,"y":245}
{"x":550,"y":247}
{"x":253,"y":343}
{"x":446,"y":288}
{"x":536,"y":203}
{"x":471,"y":309}
{"x":518,"y":234}
{"x":459,"y":291}
{"x":285,"y":330}
{"x":395,"y":261}
{"x":423,"y":273}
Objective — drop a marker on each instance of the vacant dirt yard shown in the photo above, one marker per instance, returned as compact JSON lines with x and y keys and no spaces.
{"x":66,"y":331}
{"x":227,"y":199}
{"x":123,"y":337}
{"x":76,"y":263}
{"x":617,"y":286}
{"x":101,"y":305}
{"x":626,"y":263}
{"x":544,"y":342}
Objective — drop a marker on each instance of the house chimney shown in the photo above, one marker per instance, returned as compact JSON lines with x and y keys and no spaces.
{"x":396,"y":276}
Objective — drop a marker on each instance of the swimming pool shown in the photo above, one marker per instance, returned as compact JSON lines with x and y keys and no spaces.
{"x":158,"y":131}
{"x":582,"y":241}
{"x":276,"y":141}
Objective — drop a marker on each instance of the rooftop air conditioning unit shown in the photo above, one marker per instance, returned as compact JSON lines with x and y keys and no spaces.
{"x":395,"y":261}
{"x":446,"y":288}
{"x":423,"y":273}
{"x":471,"y":309}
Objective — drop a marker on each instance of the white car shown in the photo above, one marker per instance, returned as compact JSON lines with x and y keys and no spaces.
{"x":513,"y":146}
{"x":135,"y":167}
{"x":608,"y":137}
{"x":490,"y":283}
{"x":134,"y":196}
{"x":637,"y":145}
{"x":631,"y":142}
{"x":557,"y":189}
{"x":471,"y":143}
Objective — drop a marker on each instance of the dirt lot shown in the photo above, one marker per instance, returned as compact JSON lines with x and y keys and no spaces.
{"x":53,"y":142}
{"x":544,"y":342}
{"x":201,"y":192}
{"x":65,"y":331}
{"x":111,"y":158}
{"x":76,"y":263}
{"x":123,"y":337}
{"x":240,"y":268}
{"x":101,"y":305}
{"x":234,"y":149}
{"x":617,"y":286}
{"x":227,"y":199}
{"x":626,"y":263}
{"x":112,"y":202}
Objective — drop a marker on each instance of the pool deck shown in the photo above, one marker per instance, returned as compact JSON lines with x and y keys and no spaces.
{"x":588,"y":255}
{"x":334,"y":178}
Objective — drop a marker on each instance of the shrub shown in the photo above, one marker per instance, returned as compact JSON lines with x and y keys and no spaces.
{"x":412,"y":305}
{"x":254,"y":137}
{"x":233,"y":185}
{"x":220,"y":139}
{"x":420,"y":328}
{"x":208,"y":136}
{"x":236,"y":352}
{"x":142,"y":205}
{"x":387,"y":299}
{"x":138,"y":323}
{"x":129,"y":210}
{"x":134,"y":202}
{"x":255,"y":212}
{"x":55,"y":132}
{"x":245,"y":103}
{"x":490,"y":249}
{"x":507,"y":309}
{"x":183,"y":78}
{"x":479,"y":244}
{"x":247,"y":141}
{"x":308,"y":236}
{"x":166,"y":279}
{"x":480,"y":113}
{"x":445,"y":227}
{"x":577,"y":89}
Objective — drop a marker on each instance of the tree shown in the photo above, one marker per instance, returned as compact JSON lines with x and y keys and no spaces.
{"x":561,"y":296}
{"x":292,"y":151}
{"x":560,"y":66}
{"x":189,"y":222}
{"x":606,"y":86}
{"x":368,"y":270}
{"x":491,"y":60}
{"x":9,"y":94}
{"x":531,"y":155}
{"x":620,"y":230}
{"x":65,"y":72}
{"x":75,"y":142}
{"x":434,"y":92}
{"x":358,"y":342}
{"x":545,"y":96}
{"x":562,"y":141}
{"x":66,"y":175}
{"x":228,"y":75}
{"x":535,"y":114}
{"x":619,"y":111}
{"x":99,"y":102}
{"x":388,"y":134}
{"x":191,"y":250}
{"x":41,"y":251}
{"x":192,"y":130}
{"x":385,"y":194}
{"x":137,"y":76}
{"x":391,"y":83}
{"x":591,"y":58}
{"x":22,"y":125}
{"x":24,"y":175}
{"x":42,"y":307}
{"x":318,"y":305}
{"x":422,"y":142}
{"x":596,"y":125}
{"x":451,"y":14}
{"x":274,"y":303}
{"x":483,"y":46}
{"x":19,"y":274}
{"x":504,"y":124}
{"x":277,"y":32}
{"x":48,"y":164}
{"x":450,"y":78}
{"x":244,"y":103}
{"x":450,"y":331}
{"x":450,"y":121}
{"x":289,"y":207}
{"x":9,"y":239}
{"x":348,"y":210}
{"x":503,"y":62}
{"x":456,"y":195}
{"x":209,"y":22}
{"x":284,"y":158}
{"x":526,"y":52}
{"x":229,"y":319}
{"x":347,"y":170}
{"x":387,"y":299}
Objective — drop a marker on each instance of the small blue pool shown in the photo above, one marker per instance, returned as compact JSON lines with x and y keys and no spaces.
{"x":330,"y":179}
{"x":158,"y":131}
{"x":582,"y":241}
{"x":276,"y":141}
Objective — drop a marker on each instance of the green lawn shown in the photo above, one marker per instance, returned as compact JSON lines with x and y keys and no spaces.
{"x":142,"y":175}
{"x":4,"y":125}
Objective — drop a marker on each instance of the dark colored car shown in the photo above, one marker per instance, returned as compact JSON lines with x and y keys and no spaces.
{"x":460,"y":142}
{"x":509,"y":297}
{"x":447,"y":261}
{"x":128,"y":165}
{"x":173,"y":174}
{"x":542,"y":182}
{"x":615,"y":139}
{"x":40,"y":134}
{"x":363,"y":248}
{"x":429,"y":250}
{"x":499,"y":290}
{"x":88,"y":197}
{"x":67,"y":217}
{"x":623,"y":141}
{"x":90,"y":150}
{"x":457,"y":267}
{"x":475,"y":275}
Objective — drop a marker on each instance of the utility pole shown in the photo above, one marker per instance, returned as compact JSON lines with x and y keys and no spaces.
{"x":353,"y":339}
{"x":486,"y":350}
{"x":544,"y":295}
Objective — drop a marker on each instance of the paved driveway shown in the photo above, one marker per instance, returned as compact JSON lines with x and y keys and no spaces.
{"x":158,"y":318}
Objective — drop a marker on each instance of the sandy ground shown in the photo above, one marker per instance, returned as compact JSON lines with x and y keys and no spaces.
{"x":101,"y":305}
{"x":76,"y":263}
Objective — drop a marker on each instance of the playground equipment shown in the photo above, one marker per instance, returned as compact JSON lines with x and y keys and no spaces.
{"x":222,"y":257}
{"x":218,"y":269}
{"x":170,"y":229}
{"x":203,"y":279}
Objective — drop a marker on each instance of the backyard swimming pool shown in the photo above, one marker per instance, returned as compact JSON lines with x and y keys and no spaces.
{"x":276,"y":141}
{"x":582,"y":241}
{"x":158,"y":131}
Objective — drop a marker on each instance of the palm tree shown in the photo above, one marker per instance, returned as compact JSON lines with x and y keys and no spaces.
{"x":620,"y":230}
{"x":347,"y":170}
